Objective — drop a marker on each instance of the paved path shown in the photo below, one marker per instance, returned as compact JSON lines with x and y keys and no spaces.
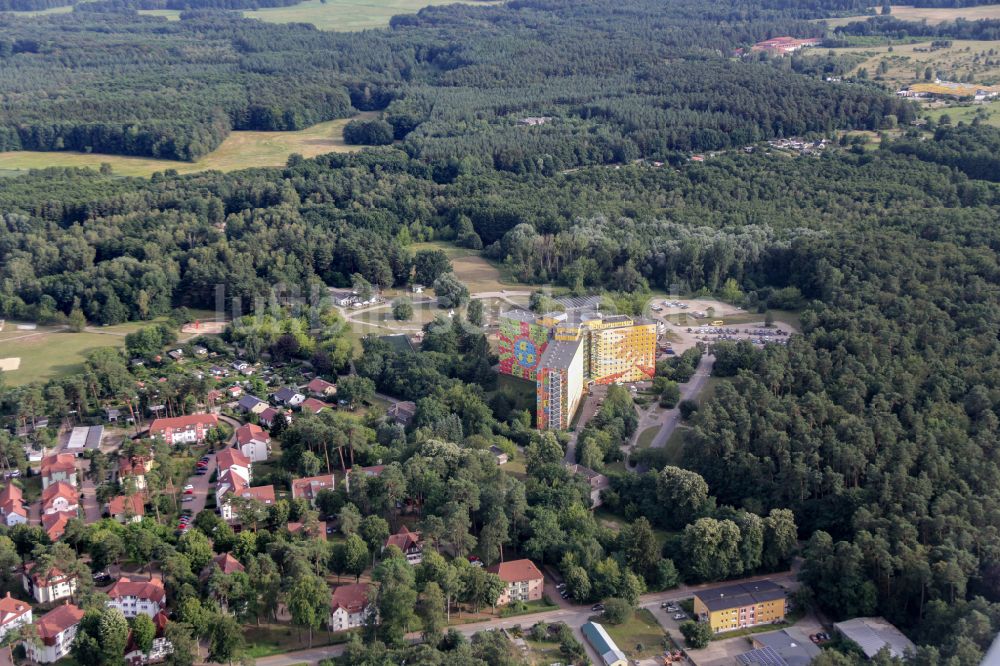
{"x":574,"y":617}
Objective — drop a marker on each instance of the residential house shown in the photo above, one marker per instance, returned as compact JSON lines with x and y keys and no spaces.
{"x":235,"y":391}
{"x":408,"y":542}
{"x":251,"y":404}
{"x":268,"y":417}
{"x":402,"y":412}
{"x":740,"y":605}
{"x":133,"y":597}
{"x":349,"y":606}
{"x":288,"y":397}
{"x":523,"y":579}
{"x":12,"y":505}
{"x":14,"y":613}
{"x":134,"y":468}
{"x":316,"y":532}
{"x":46,"y":589}
{"x":56,"y":632}
{"x":240,"y":366}
{"x":373,"y":470}
{"x":54,"y":524}
{"x":313,"y":405}
{"x":500,"y":455}
{"x":597,"y":482}
{"x":253,"y":442}
{"x":60,"y":467}
{"x":235,"y":471}
{"x":188,"y":429}
{"x":60,"y":497}
{"x":308,"y":487}
{"x":321,"y":388}
{"x":225,"y":563}
{"x":604,"y":645}
{"x":157,"y":652}
{"x":128,"y":509}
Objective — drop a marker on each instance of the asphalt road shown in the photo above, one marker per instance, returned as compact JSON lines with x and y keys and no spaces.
{"x":574,"y":617}
{"x":668,"y":419}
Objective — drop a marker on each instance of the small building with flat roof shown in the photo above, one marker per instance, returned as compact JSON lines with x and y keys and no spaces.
{"x":874,"y":633}
{"x":787,"y":647}
{"x":605,"y":646}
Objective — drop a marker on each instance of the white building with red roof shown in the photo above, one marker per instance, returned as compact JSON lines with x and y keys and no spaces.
{"x":313,"y":405}
{"x":321,"y":387}
{"x":349,"y":606}
{"x":253,"y":442}
{"x":56,"y":632}
{"x":408,"y":542}
{"x":14,"y":614}
{"x":54,"y":524}
{"x":158,"y":652}
{"x":134,"y":468}
{"x":188,"y":429}
{"x":60,"y":467}
{"x":133,"y":597}
{"x":53,"y":586}
{"x":523,"y":579}
{"x":225,"y":563}
{"x":12,"y":506}
{"x":128,"y":509}
{"x":309,"y":487}
{"x":60,"y":497}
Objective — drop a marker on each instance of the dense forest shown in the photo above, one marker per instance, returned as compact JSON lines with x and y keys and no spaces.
{"x":619,"y":83}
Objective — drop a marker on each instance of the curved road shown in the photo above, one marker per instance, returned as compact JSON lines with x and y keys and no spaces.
{"x":670,"y":418}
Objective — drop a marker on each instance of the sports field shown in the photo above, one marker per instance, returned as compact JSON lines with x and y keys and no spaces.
{"x":932,"y":15}
{"x":48,"y":352}
{"x":240,"y":150}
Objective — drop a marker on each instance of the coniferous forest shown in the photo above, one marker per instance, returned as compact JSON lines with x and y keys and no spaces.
{"x":878,"y":428}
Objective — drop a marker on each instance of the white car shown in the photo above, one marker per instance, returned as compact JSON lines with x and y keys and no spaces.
{"x":189,"y":487}
{"x":680,"y":616}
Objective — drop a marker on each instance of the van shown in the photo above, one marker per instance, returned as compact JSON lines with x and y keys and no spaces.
{"x":718,"y":322}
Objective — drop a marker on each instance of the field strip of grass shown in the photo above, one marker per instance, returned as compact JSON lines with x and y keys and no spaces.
{"x":932,"y":15}
{"x":346,"y":15}
{"x":240,"y":150}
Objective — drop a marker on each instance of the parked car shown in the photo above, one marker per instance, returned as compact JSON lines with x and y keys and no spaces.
{"x":680,"y":616}
{"x":597,"y":608}
{"x":187,"y":498}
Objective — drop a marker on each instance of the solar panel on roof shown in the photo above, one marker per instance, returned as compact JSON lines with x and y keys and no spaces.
{"x":765,"y":656}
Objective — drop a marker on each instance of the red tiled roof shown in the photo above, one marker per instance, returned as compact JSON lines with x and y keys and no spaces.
{"x":352,"y":597}
{"x":55,"y":523}
{"x":11,"y":609}
{"x":12,"y":500}
{"x":313,"y":405}
{"x":137,"y":465}
{"x":141,"y":589}
{"x":319,"y":386}
{"x":135,"y":503}
{"x":59,"y":489}
{"x":61,"y":462}
{"x":319,"y":532}
{"x":55,"y":575}
{"x":228,"y":564}
{"x":58,"y":620}
{"x":249,"y":432}
{"x":177,"y":422}
{"x":263,"y":494}
{"x":516,"y":571}
{"x":403,"y":539}
{"x":227,"y":458}
{"x":308,"y":487}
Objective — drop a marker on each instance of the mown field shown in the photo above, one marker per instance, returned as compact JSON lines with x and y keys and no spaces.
{"x":344,"y":15}
{"x":50,"y":352}
{"x":240,"y":150}
{"x":932,"y":15}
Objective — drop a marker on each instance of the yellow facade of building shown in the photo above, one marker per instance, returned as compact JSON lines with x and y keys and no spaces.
{"x":741,"y":605}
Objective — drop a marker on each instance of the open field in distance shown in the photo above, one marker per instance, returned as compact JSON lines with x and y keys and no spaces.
{"x":932,"y":15}
{"x":345,"y":15}
{"x":240,"y":150}
{"x":907,"y":62}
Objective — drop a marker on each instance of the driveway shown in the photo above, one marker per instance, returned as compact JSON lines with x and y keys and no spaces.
{"x":201,"y":488}
{"x":591,"y":403}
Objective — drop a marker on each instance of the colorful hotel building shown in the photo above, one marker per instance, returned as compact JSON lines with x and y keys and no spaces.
{"x":564,"y":352}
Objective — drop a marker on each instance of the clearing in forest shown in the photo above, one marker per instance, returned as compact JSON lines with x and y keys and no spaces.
{"x":240,"y":150}
{"x":932,"y":15}
{"x":345,"y":15}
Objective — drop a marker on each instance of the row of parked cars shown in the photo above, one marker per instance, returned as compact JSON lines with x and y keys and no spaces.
{"x":672,"y":607}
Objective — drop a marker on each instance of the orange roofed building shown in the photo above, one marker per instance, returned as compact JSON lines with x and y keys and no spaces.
{"x":408,"y":542}
{"x":523,"y":579}
{"x":56,"y":632}
{"x":349,"y":606}
{"x":188,"y":429}
{"x":60,"y":467}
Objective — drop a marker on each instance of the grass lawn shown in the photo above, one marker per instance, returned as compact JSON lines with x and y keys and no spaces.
{"x":641,"y":637}
{"x":906,"y":62}
{"x":240,"y":150}
{"x":48,"y":351}
{"x":516,"y":467}
{"x":542,"y":653}
{"x":967,"y":113}
{"x":343,"y":15}
{"x":612,"y":520}
{"x":675,"y":445}
{"x":270,"y":639}
{"x":646,"y":437}
{"x":527,"y":608}
{"x":477,"y":273}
